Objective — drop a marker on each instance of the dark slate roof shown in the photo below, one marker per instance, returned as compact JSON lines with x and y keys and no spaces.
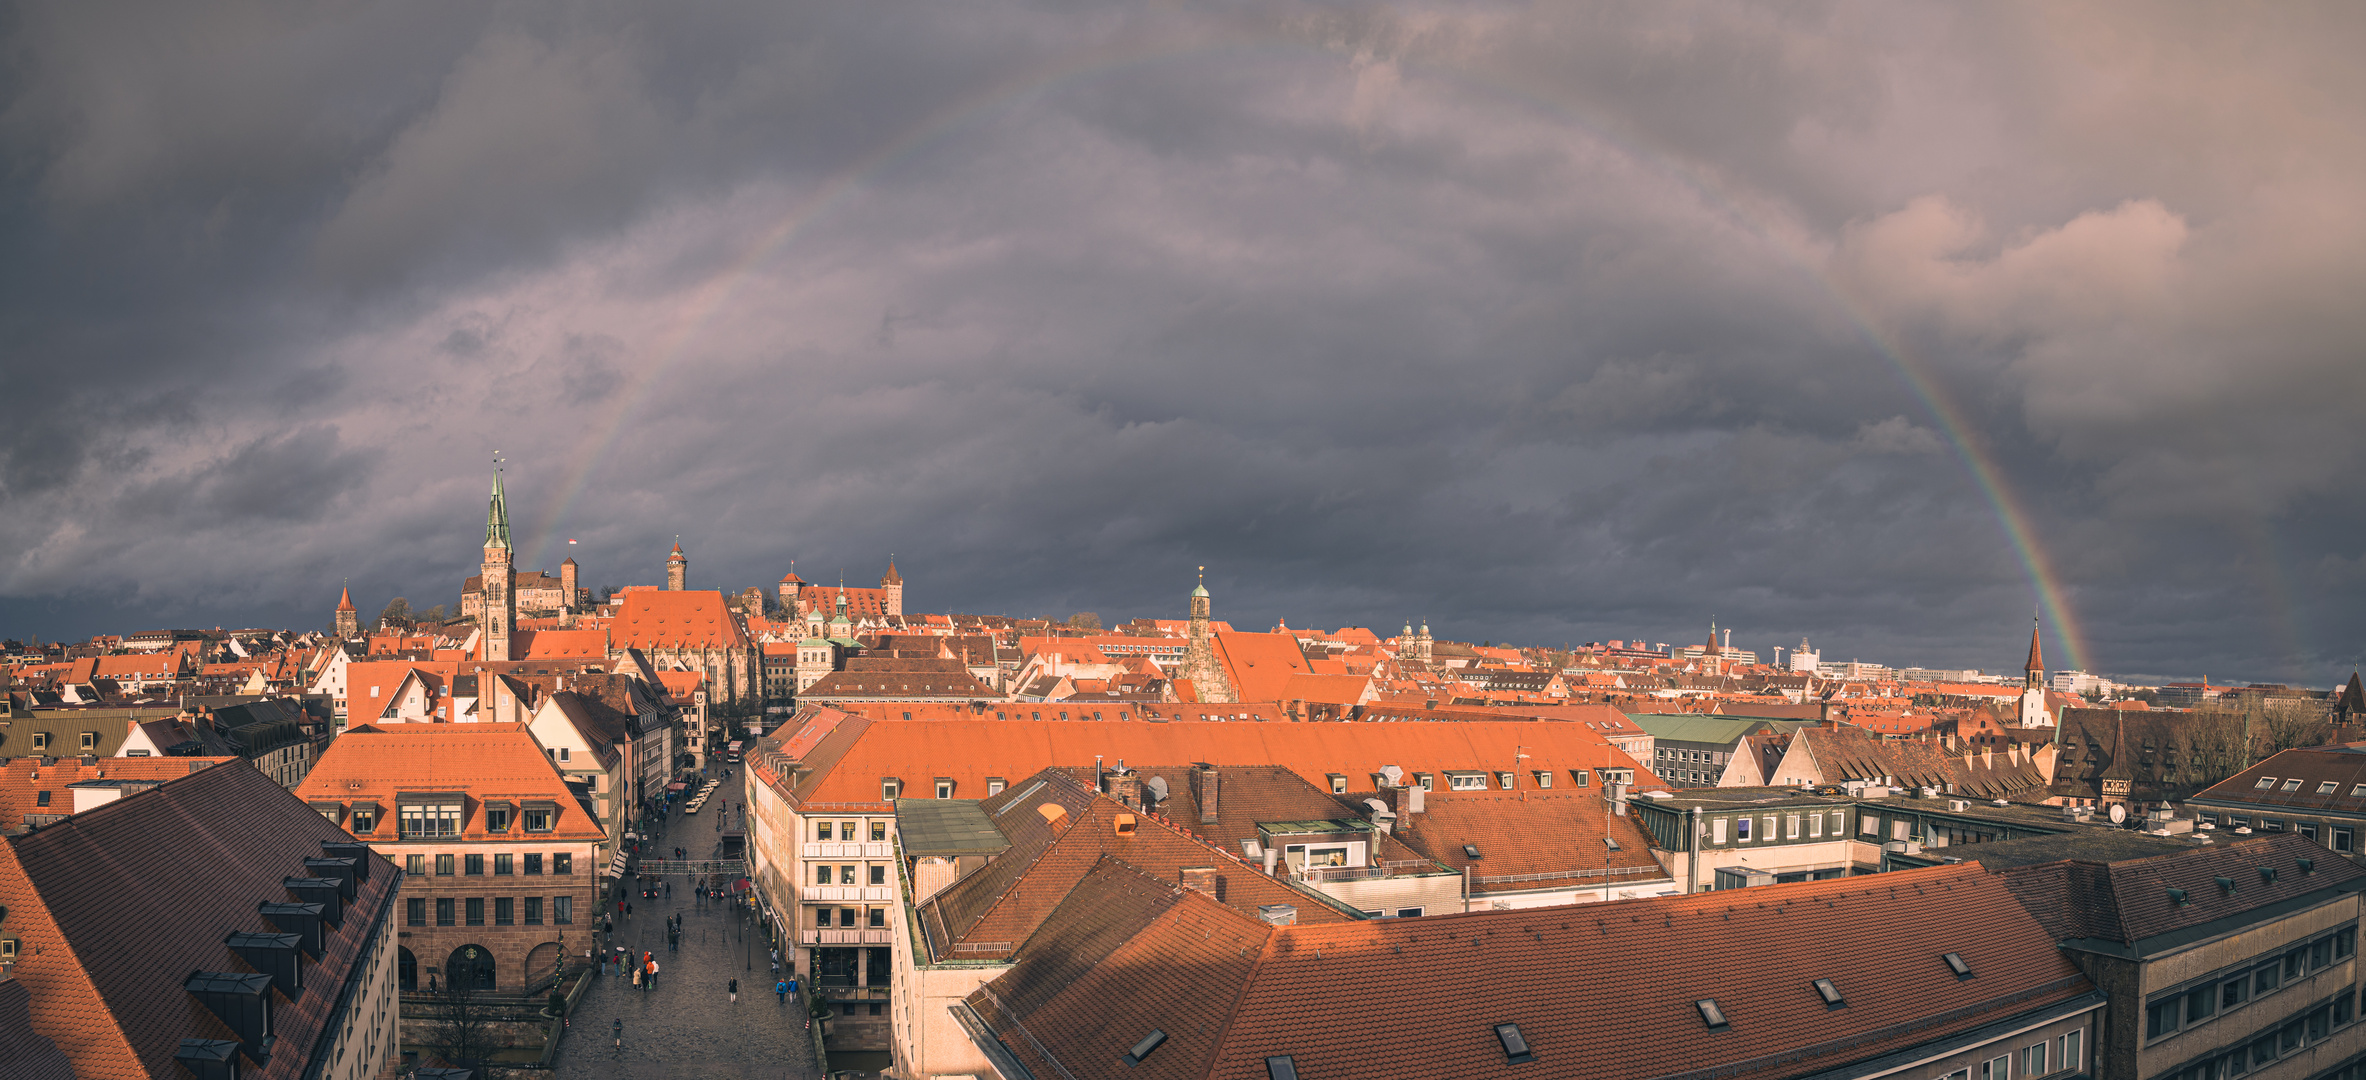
{"x":117,"y":906}
{"x":2128,"y":904}
{"x":928,"y":827}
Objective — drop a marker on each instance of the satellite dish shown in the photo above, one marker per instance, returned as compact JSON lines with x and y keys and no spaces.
{"x":2119,"y":814}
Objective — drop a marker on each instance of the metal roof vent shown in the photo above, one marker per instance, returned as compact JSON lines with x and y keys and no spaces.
{"x":2267,"y":875}
{"x":2226,"y":885}
{"x":2307,"y":866}
{"x":1142,"y":1049}
{"x":1278,"y":914}
{"x":2179,"y":898}
{"x":1515,"y":1045}
{"x":1955,"y":964}
{"x":1711,"y":1014}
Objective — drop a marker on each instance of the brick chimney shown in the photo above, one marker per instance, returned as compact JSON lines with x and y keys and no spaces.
{"x":1205,"y":787}
{"x":1200,"y":879}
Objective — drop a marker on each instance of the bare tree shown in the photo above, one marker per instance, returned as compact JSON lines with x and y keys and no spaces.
{"x":2284,"y":723}
{"x":397,"y":613}
{"x":463,"y":1029}
{"x":1084,"y":620}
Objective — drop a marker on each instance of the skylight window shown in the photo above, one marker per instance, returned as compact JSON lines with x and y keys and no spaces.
{"x":1142,"y":1049}
{"x":1955,"y":964}
{"x":1829,"y":992}
{"x":2292,"y":784}
{"x":2328,"y":787}
{"x":2265,"y":782}
{"x":1280,"y":1067}
{"x":1515,"y":1045}
{"x":1612,"y":841}
{"x":1711,"y":1014}
{"x":2358,"y":792}
{"x":1470,"y":851}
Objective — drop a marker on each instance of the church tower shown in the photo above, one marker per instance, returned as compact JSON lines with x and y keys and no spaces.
{"x":677,"y":569}
{"x":500,"y":577}
{"x":1422,"y":643}
{"x":893,"y":586}
{"x":2033,"y":684}
{"x":348,"y":618}
{"x":1199,"y":658}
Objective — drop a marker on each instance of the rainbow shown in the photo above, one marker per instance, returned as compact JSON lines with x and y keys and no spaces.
{"x":718,"y":290}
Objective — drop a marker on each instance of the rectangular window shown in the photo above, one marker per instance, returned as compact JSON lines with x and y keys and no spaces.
{"x":443,"y":911}
{"x":501,"y":863}
{"x":2033,"y":1060}
{"x":90,"y":740}
{"x":472,"y":865}
{"x":2264,"y":783}
{"x":1467,"y":781}
{"x":2345,"y":1009}
{"x":1815,"y":825}
{"x":1428,"y":782}
{"x":2345,"y":942}
{"x":504,"y":911}
{"x":562,"y":862}
{"x":1869,"y":824}
{"x":824,"y":830}
{"x":1717,"y":831}
{"x":444,"y":864}
{"x":538,"y":818}
{"x":2344,"y":841}
{"x":944,"y":788}
{"x":846,"y":916}
{"x":878,"y":918}
{"x":2234,"y":992}
{"x":2160,"y":1018}
{"x":1791,"y":827}
{"x":476,"y":911}
{"x":1997,"y":1068}
{"x":2069,"y":1057}
{"x":430,"y":819}
{"x":2263,"y":980}
{"x":533,"y":862}
{"x":878,"y":831}
{"x":878,"y":874}
{"x":821,"y":874}
{"x":2201,"y":1004}
{"x":40,"y":740}
{"x":533,"y":911}
{"x":497,"y":819}
{"x":562,"y":910}
{"x":364,"y":820}
{"x":846,"y":875}
{"x":2320,"y":953}
{"x":415,"y":912}
{"x":2293,"y":784}
{"x":415,"y":865}
{"x":1741,"y":830}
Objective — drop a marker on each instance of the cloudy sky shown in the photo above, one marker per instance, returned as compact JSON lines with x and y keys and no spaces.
{"x":1879,"y":324}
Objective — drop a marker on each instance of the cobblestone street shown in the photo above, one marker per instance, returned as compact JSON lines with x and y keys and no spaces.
{"x":688,"y":1027}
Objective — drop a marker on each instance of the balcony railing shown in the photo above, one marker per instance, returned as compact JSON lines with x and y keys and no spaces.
{"x":1319,"y":875}
{"x":1562,"y":875}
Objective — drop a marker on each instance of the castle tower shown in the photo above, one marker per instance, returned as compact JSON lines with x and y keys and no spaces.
{"x":677,"y":569}
{"x":1713,"y":656}
{"x":500,"y":577}
{"x":348,"y":618}
{"x":893,"y":584}
{"x":569,"y":597}
{"x":2033,"y":683}
{"x":1199,"y":658}
{"x":790,"y":586}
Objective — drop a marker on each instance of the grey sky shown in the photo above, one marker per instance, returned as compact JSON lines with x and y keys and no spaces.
{"x":1547,"y":324}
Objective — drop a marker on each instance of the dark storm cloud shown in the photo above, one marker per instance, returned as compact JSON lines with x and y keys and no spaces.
{"x":1543,"y":324}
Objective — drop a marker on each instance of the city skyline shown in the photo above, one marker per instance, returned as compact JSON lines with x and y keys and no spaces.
{"x":1873,"y":325}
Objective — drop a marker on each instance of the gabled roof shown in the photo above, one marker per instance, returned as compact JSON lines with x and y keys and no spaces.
{"x":660,"y":619}
{"x":1363,"y":998}
{"x":558,"y":644}
{"x":23,"y":779}
{"x":130,"y":898}
{"x":847,"y":765}
{"x":1260,"y":665}
{"x":2314,"y":767}
{"x":986,"y":914}
{"x":1541,"y":834}
{"x":2128,"y":904}
{"x":478,"y":761}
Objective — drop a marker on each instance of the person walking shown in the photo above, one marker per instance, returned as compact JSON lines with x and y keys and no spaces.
{"x":669,"y":888}
{"x":618,"y":1028}
{"x":652,"y":974}
{"x":636,"y":978}
{"x":782,"y":988}
{"x":735,"y":991}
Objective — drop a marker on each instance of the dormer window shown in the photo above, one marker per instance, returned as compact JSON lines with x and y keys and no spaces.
{"x":994,"y":785}
{"x":40,"y":740}
{"x":431,"y":817}
{"x":890,"y":789}
{"x":497,"y":817}
{"x":90,"y":740}
{"x":1338,"y":783}
{"x":1580,"y":777}
{"x":540,"y":817}
{"x":1503,"y":780}
{"x":944,"y":787}
{"x":1543,"y":779}
{"x":365,"y":819}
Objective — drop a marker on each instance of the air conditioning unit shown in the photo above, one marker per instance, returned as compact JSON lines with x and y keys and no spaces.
{"x":1957,"y":805}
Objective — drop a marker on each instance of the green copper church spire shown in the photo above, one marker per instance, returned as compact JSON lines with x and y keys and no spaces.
{"x":497,"y":516}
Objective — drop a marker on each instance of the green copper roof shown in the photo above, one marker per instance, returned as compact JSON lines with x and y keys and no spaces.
{"x":497,"y":518}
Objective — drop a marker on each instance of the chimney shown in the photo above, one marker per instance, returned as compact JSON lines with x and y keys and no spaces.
{"x":1416,"y":799}
{"x":1618,"y":799}
{"x":1125,"y":786}
{"x":273,"y":955}
{"x":302,"y":920}
{"x":1278,"y":914}
{"x":1207,"y":782}
{"x":1273,"y":855}
{"x":329,"y":893}
{"x":1201,"y":880}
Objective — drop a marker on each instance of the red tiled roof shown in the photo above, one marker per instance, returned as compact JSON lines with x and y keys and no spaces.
{"x":696,"y":619}
{"x":1260,"y":665}
{"x":969,"y":751}
{"x":478,"y":761}
{"x":1521,"y":833}
{"x":558,"y":644}
{"x":23,"y":779}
